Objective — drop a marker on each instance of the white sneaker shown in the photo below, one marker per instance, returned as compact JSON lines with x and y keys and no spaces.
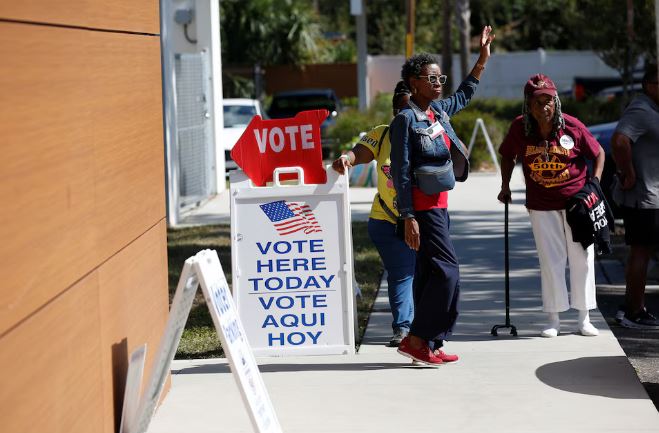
{"x":554,"y":327}
{"x":588,"y":330}
{"x":585,"y":327}
{"x":550,"y":332}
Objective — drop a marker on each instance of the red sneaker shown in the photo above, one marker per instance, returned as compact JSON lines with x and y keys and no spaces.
{"x":422,"y":355}
{"x":445,"y":357}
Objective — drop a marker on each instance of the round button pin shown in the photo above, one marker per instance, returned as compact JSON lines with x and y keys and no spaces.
{"x":567,"y":142}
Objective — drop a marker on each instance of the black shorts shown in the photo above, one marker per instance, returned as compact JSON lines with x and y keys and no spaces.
{"x":641,"y":226}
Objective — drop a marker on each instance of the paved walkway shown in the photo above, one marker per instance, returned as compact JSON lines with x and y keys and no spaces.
{"x":506,"y":384}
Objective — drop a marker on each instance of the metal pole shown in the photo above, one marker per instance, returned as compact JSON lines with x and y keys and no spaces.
{"x":507,"y":267}
{"x":463,"y":14}
{"x":656,"y":28}
{"x":495,"y":328}
{"x":410,"y":10}
{"x":362,"y":57}
{"x":447,"y":48}
{"x":627,"y":81}
{"x":169,"y":114}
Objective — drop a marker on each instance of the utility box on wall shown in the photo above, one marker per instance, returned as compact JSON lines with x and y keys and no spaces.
{"x":196,"y":152}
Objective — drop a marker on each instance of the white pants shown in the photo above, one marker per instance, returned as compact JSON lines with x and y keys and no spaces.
{"x":553,"y":239}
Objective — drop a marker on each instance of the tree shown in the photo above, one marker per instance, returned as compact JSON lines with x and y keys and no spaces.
{"x":611,"y":40}
{"x":447,"y":46}
{"x":528,"y":25}
{"x":269,"y":32}
{"x":463,"y":15}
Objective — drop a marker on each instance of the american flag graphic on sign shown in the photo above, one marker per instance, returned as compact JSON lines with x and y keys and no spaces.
{"x":291,"y":217}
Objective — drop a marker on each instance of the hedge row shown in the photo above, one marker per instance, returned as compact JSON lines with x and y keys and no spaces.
{"x":496,"y":114}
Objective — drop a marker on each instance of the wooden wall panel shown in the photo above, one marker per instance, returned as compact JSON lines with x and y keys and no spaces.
{"x":82,"y":169}
{"x":141,"y":16}
{"x":51,"y":364}
{"x":130,"y":162}
{"x":134,"y":307}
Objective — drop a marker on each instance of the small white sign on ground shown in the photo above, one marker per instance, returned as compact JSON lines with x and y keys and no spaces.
{"x":132,"y":389}
{"x":205,"y":267}
{"x":234,"y":342}
{"x":291,"y":248}
{"x":479,"y":124}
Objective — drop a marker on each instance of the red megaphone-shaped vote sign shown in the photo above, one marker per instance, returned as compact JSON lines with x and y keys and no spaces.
{"x":269,"y":144}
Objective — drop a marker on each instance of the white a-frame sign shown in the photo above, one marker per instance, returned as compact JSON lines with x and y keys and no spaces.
{"x":204,"y":268}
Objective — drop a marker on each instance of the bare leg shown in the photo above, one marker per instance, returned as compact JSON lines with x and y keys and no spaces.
{"x":636,"y":276}
{"x":416,"y":342}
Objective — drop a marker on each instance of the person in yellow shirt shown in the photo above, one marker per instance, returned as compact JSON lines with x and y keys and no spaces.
{"x":397,"y":257}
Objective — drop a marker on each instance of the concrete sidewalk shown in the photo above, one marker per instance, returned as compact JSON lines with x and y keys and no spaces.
{"x":505,"y":384}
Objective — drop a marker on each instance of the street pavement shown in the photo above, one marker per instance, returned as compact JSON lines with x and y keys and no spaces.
{"x":501,"y":384}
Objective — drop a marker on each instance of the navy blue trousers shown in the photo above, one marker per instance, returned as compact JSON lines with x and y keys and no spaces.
{"x":436,"y":280}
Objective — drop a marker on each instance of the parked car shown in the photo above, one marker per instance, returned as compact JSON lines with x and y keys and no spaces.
{"x":585,"y":87}
{"x":603,"y":133}
{"x":616,"y":92}
{"x":238,"y":113}
{"x":288,"y":104}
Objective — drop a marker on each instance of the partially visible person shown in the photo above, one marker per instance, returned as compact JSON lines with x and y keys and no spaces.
{"x":635,"y":148}
{"x":422,"y":139}
{"x":397,"y":258}
{"x":553,"y":148}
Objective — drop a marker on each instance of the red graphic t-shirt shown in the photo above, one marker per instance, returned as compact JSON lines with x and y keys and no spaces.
{"x":423,"y":201}
{"x":554,"y":169}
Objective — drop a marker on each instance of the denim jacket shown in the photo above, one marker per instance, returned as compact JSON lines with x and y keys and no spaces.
{"x":411,"y":145}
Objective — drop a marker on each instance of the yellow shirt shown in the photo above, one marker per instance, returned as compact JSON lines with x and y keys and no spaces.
{"x":381,"y":148}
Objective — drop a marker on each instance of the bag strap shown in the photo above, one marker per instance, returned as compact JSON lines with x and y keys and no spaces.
{"x":386,"y":209}
{"x":384,"y":134}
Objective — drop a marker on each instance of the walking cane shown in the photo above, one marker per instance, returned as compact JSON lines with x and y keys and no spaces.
{"x":495,"y":328}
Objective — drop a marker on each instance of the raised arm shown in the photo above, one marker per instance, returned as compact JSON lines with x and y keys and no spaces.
{"x":460,"y":99}
{"x":486,"y":40}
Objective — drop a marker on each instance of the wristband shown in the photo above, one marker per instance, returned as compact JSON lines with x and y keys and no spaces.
{"x":347,"y":157}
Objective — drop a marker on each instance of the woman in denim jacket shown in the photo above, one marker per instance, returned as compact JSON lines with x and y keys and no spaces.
{"x":422,"y":134}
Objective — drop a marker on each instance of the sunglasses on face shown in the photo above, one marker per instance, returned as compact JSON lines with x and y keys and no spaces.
{"x":435,"y":79}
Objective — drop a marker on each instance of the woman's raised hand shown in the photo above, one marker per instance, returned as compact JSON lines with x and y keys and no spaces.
{"x":486,"y":39}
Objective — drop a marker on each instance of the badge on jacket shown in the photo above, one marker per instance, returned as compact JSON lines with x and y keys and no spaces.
{"x":435,"y":130}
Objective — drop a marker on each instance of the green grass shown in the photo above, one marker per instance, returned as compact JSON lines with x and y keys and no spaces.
{"x":199,"y":338}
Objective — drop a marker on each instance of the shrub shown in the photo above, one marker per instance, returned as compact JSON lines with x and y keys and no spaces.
{"x":351,"y":122}
{"x":497,"y":114}
{"x":504,"y":109}
{"x":592,"y":111}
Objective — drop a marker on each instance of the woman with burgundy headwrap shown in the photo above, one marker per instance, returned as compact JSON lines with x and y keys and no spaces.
{"x":553,"y":148}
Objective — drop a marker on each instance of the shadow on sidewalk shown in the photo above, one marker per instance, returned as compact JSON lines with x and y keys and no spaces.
{"x":479,"y":243}
{"x":292,"y":368}
{"x":592,"y":376}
